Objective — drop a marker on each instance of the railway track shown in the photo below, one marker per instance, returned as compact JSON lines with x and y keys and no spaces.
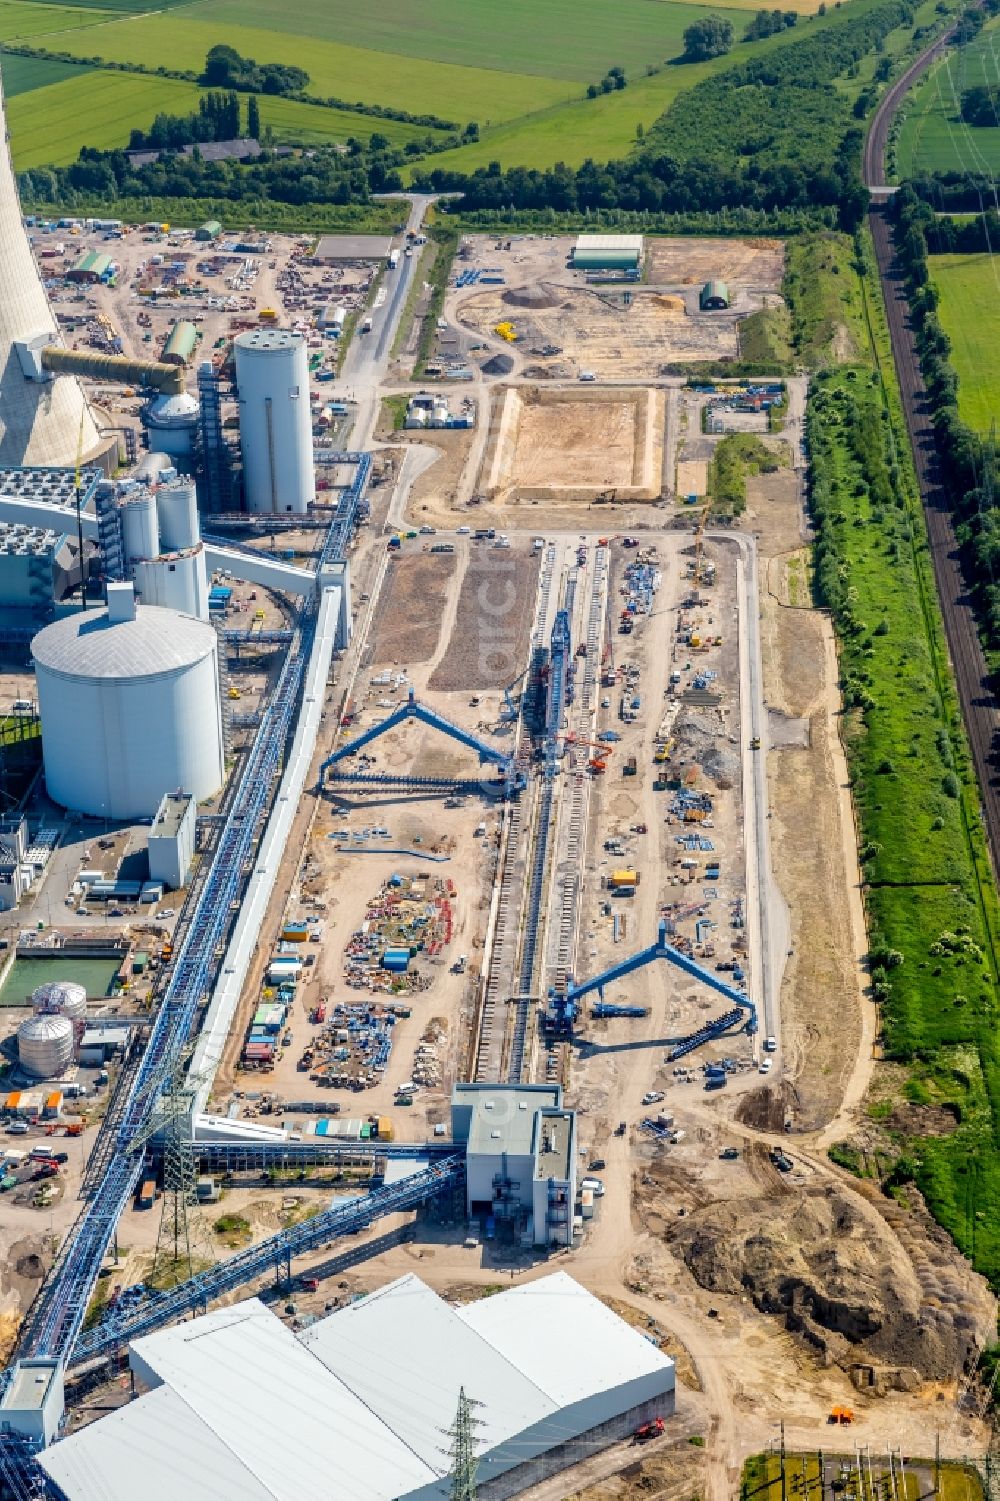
{"x":976,"y":695}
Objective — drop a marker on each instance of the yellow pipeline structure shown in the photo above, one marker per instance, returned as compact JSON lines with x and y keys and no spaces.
{"x":169,"y":379}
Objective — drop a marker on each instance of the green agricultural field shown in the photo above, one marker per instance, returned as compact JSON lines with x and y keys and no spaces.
{"x":572,"y":39}
{"x":30,"y":21}
{"x":350,"y":73}
{"x":933,"y":137}
{"x":968,"y":287}
{"x":45,"y":125}
{"x":21,"y":75}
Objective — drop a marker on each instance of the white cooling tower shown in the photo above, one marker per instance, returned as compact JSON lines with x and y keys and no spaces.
{"x":272,"y":376}
{"x":129,"y":704}
{"x":40,"y":423}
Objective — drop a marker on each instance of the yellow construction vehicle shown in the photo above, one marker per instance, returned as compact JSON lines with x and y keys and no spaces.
{"x":506,"y":331}
{"x":755,"y":743}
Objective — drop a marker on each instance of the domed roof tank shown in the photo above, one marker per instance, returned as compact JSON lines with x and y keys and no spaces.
{"x":61,"y":998}
{"x":45,"y":1045}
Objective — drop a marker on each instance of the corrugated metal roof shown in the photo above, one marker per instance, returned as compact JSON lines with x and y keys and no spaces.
{"x":404,"y":1352}
{"x":156,"y":641}
{"x":609,"y":242}
{"x":563,"y":1338}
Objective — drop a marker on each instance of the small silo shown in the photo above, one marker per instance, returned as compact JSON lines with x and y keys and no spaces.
{"x":177,"y":508}
{"x":130,"y":709}
{"x":272,"y":376}
{"x":140,"y":527}
{"x":45,"y":1045}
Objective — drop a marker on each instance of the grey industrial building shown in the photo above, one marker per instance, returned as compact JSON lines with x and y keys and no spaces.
{"x":520,"y":1145}
{"x":357,"y":1406}
{"x":354,"y":248}
{"x":171,"y":840}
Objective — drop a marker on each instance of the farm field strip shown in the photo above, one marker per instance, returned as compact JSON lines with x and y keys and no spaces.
{"x":968,"y":288}
{"x":561,"y":39}
{"x":933,"y":137}
{"x":350,"y":73}
{"x":45,"y":122}
{"x":29,"y":21}
{"x":22,"y":75}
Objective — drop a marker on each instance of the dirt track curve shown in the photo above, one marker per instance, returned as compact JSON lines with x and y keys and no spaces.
{"x":979,"y":703}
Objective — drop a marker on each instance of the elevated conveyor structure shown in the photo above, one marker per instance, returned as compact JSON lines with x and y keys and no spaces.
{"x":274,"y":1255}
{"x":493,"y":755}
{"x":55,"y":1318}
{"x":562,"y":1010}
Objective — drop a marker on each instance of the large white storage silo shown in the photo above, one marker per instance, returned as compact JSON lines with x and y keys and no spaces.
{"x":272,"y":376}
{"x":175,"y":583}
{"x":130,"y":710}
{"x":45,"y":1045}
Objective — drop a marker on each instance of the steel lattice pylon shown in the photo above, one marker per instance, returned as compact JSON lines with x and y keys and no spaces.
{"x":184,"y":1243}
{"x":462,"y":1453}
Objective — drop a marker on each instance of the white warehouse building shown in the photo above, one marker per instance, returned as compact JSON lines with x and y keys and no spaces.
{"x":272,"y":378}
{"x":129,"y":703}
{"x":239,"y":1408}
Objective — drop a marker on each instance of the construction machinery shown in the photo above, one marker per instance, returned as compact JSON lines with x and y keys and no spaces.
{"x":605,"y":1010}
{"x":506,"y":331}
{"x":562,"y":1010}
{"x":646,"y":1431}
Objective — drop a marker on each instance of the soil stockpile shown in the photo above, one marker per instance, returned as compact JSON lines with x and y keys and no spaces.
{"x":700,"y":737}
{"x":842,"y":1278}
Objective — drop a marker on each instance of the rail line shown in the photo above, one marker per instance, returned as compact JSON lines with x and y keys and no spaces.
{"x":978,"y":701}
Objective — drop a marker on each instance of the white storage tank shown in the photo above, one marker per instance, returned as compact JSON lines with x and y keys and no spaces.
{"x":177,"y":508}
{"x":61,"y":998}
{"x":176,"y":583}
{"x":45,"y":1045}
{"x":130,"y":710}
{"x":272,"y":376}
{"x":171,"y":423}
{"x":140,"y":527}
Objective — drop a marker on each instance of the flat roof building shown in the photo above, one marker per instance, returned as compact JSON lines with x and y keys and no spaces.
{"x":520,"y":1158}
{"x":356,"y":1405}
{"x":608,"y":252}
{"x":354,"y":248}
{"x":171,"y":840}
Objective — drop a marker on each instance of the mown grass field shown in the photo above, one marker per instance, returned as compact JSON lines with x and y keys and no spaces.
{"x":933,"y":137}
{"x":968,"y":287}
{"x":30,"y":21}
{"x":22,"y":75}
{"x":46,"y":129}
{"x":350,"y":73}
{"x":556,"y":39}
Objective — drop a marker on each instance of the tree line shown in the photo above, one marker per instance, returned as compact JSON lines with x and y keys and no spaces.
{"x":217,"y":118}
{"x":967,"y":469}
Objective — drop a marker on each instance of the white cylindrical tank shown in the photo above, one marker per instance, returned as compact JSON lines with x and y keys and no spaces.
{"x":177,"y":508}
{"x":62,"y":998}
{"x":129,"y":703}
{"x":272,"y":375}
{"x":45,"y":1045}
{"x":171,"y":423}
{"x":140,"y":527}
{"x":175,"y":583}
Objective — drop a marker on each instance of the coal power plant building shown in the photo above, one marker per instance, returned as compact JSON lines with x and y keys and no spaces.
{"x":130,"y":707}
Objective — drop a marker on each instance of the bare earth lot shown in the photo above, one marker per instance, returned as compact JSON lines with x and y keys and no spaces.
{"x":573,"y":445}
{"x":742,"y":264}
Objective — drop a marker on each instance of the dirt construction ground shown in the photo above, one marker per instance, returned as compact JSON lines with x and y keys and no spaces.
{"x":741,"y":264}
{"x":551,"y":444}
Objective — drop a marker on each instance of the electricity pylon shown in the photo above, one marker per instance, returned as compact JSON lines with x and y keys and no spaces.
{"x":184,"y":1241}
{"x":463,"y":1449}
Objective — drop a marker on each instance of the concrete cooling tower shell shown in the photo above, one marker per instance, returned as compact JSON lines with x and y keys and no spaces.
{"x":45,"y":1045}
{"x":130,"y":710}
{"x":40,"y":423}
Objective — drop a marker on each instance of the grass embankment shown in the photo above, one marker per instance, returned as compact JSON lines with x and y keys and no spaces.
{"x":291,"y":218}
{"x":445,"y":240}
{"x":735,"y":456}
{"x":930,"y":897}
{"x":968,"y":288}
{"x":821,"y":290}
